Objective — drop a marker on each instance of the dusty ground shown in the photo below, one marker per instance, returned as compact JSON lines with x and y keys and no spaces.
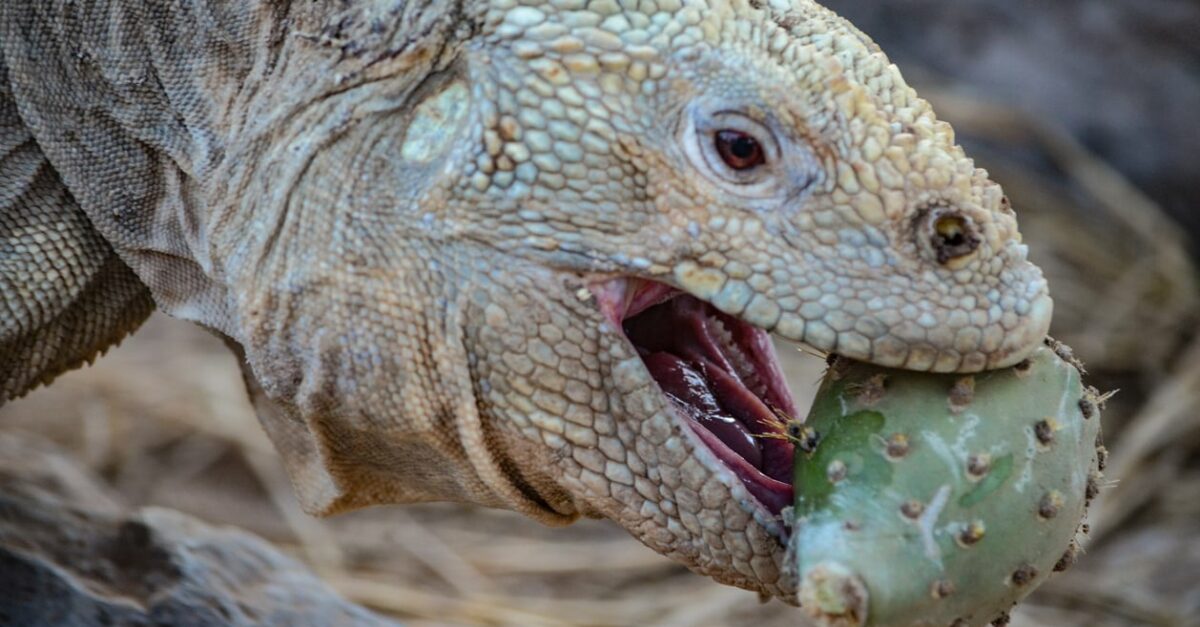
{"x":165,"y":420}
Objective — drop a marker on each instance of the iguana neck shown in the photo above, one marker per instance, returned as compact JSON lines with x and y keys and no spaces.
{"x":193,"y":107}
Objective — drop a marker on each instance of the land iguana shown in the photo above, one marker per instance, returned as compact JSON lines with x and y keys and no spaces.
{"x":523,"y":255}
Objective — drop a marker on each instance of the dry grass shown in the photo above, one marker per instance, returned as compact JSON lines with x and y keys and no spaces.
{"x":165,"y":420}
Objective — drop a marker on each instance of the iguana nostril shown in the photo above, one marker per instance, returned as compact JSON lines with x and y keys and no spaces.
{"x":953,"y":237}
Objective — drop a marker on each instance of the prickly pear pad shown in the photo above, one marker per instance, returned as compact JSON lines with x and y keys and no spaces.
{"x":941,"y":499}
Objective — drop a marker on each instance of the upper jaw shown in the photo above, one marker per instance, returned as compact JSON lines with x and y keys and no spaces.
{"x":870,"y":321}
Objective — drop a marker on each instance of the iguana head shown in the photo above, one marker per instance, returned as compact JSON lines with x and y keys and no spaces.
{"x":769,"y":161}
{"x":565,"y":251}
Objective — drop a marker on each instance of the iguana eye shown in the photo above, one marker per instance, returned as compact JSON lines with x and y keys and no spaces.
{"x":739,"y":150}
{"x":741,"y":154}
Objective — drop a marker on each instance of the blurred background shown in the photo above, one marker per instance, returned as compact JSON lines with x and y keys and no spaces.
{"x":1087,"y":111}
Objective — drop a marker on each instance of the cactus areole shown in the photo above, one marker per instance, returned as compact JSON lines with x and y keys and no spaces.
{"x":941,"y":499}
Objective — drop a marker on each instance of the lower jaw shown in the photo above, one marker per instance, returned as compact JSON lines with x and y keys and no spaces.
{"x":722,"y":379}
{"x":772,"y":494}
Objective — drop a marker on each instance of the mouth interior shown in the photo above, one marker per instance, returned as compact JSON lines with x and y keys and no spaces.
{"x":723,"y":377}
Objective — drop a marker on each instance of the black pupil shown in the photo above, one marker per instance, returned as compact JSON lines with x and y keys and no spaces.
{"x":744,"y":147}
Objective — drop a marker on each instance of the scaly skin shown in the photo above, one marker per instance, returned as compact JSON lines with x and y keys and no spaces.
{"x":403,"y":215}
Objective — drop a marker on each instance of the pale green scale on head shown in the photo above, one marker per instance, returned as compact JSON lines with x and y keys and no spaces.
{"x":436,"y":123}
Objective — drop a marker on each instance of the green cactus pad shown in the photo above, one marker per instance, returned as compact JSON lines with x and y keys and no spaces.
{"x":941,"y":499}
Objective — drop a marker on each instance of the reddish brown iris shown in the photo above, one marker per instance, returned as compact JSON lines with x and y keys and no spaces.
{"x":739,"y":150}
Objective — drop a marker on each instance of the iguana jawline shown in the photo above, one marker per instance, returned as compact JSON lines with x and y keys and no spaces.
{"x":721,"y":375}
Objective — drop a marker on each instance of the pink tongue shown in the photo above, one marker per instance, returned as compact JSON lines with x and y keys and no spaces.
{"x":691,"y":393}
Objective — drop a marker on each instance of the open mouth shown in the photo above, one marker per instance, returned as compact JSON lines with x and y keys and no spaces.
{"x":721,"y":375}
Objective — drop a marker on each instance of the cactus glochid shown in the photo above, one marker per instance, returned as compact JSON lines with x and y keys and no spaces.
{"x":941,"y":499}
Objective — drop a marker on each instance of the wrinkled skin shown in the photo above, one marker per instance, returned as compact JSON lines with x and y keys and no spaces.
{"x":400,"y":214}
